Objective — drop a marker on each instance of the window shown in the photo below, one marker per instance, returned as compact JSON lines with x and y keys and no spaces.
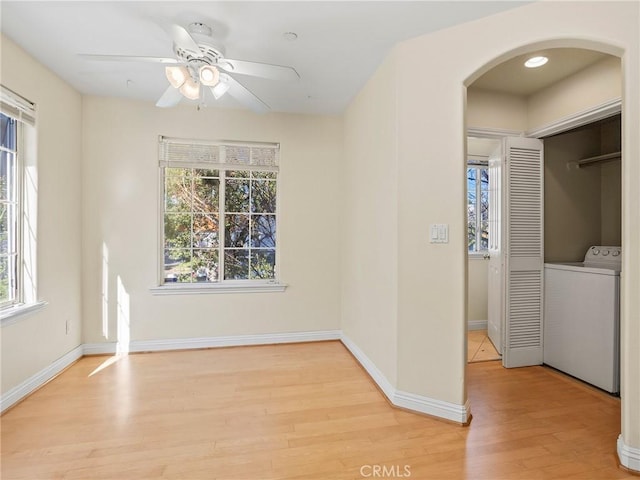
{"x":219,"y":212}
{"x":9,"y":210}
{"x":477,"y":207}
{"x":18,"y":201}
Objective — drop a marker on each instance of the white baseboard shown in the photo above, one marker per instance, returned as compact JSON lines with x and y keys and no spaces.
{"x":139,"y":346}
{"x":34,"y":382}
{"x":387,"y":388}
{"x":629,"y":456}
{"x":106,"y":348}
{"x":232,"y":341}
{"x":436,"y":408}
{"x":410,"y":401}
{"x":477,"y":325}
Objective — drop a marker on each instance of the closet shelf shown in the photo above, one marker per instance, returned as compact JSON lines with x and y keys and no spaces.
{"x":599,"y":158}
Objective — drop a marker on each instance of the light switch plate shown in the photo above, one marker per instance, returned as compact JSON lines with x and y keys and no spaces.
{"x":439,"y":233}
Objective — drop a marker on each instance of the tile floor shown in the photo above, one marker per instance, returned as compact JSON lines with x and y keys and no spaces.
{"x":480,"y":348}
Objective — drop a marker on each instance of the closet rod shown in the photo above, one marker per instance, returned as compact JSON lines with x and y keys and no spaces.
{"x":600,"y":158}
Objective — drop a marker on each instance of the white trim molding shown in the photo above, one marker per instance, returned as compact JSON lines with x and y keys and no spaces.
{"x":14,"y":314}
{"x":492,"y":132}
{"x":590,"y":115}
{"x":410,"y":401}
{"x":477,"y":325}
{"x":376,"y":375}
{"x":430,"y":406}
{"x":34,"y":382}
{"x":231,"y":341}
{"x":159,"y":345}
{"x":417,"y":403}
{"x":629,"y":456}
{"x":200,"y":289}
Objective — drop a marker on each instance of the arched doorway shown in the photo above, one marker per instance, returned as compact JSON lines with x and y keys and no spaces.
{"x":563,"y":120}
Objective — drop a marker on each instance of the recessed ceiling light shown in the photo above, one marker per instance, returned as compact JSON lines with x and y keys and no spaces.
{"x":290,"y":36}
{"x":535,"y":62}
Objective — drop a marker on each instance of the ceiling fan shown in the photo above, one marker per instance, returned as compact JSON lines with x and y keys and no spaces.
{"x":199,"y":65}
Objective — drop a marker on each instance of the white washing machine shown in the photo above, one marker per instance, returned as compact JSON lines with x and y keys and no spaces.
{"x":582,"y":317}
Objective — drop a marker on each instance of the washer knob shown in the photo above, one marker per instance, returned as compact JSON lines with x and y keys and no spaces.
{"x":605,"y":252}
{"x":616,"y":253}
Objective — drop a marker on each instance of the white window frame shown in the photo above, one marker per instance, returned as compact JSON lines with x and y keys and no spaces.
{"x":204,"y":154}
{"x":26,"y":299}
{"x":477,"y":163}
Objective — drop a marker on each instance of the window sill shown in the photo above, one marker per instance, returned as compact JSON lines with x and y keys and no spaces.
{"x":213,"y":288}
{"x":478,"y":255}
{"x":13,"y":314}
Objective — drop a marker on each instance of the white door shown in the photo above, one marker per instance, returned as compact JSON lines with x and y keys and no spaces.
{"x":495,"y":286}
{"x":522,"y":249}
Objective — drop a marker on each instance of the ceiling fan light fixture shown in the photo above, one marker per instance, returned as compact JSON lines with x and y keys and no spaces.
{"x":190,"y":89}
{"x":177,"y":76}
{"x":209,"y":75}
{"x":220,"y":89}
{"x":535,"y":62}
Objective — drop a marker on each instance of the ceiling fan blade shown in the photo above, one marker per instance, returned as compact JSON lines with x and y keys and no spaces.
{"x":256,"y":69}
{"x":244,"y":96}
{"x":128,"y":58}
{"x":170,"y":98}
{"x":183,"y":39}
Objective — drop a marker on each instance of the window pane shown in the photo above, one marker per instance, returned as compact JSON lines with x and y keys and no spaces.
{"x":177,"y":265}
{"x":263,"y":196}
{"x":7,"y":176}
{"x":4,"y":229}
{"x":471,"y":209}
{"x":206,"y":191}
{"x":177,"y":230}
{"x":237,"y":195}
{"x":237,"y":231}
{"x":205,"y":230}
{"x":5,"y":290}
{"x":270,"y":175}
{"x":236,"y":264}
{"x":238,"y":174}
{"x":263,"y":264}
{"x":7,"y":132}
{"x":205,"y":265}
{"x":263,"y":231}
{"x":178,"y":192}
{"x":484,"y":220}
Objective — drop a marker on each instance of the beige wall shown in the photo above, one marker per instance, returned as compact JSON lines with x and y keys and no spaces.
{"x":582,"y":205}
{"x":611,"y":185}
{"x":431,"y":277}
{"x":120,"y":212}
{"x":593,"y":86}
{"x":572,"y":213}
{"x":611,"y":203}
{"x":493,"y":110}
{"x":477,"y":290}
{"x":370,"y":222}
{"x":40,"y":338}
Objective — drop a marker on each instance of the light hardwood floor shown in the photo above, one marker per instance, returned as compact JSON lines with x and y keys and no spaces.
{"x":298,"y":411}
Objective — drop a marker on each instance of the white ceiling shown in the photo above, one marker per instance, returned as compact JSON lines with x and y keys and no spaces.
{"x":339,"y":43}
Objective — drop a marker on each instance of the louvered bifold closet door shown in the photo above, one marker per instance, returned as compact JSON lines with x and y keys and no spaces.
{"x":525,"y":252}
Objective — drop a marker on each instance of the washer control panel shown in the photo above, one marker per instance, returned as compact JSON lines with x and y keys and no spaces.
{"x":604,"y":255}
